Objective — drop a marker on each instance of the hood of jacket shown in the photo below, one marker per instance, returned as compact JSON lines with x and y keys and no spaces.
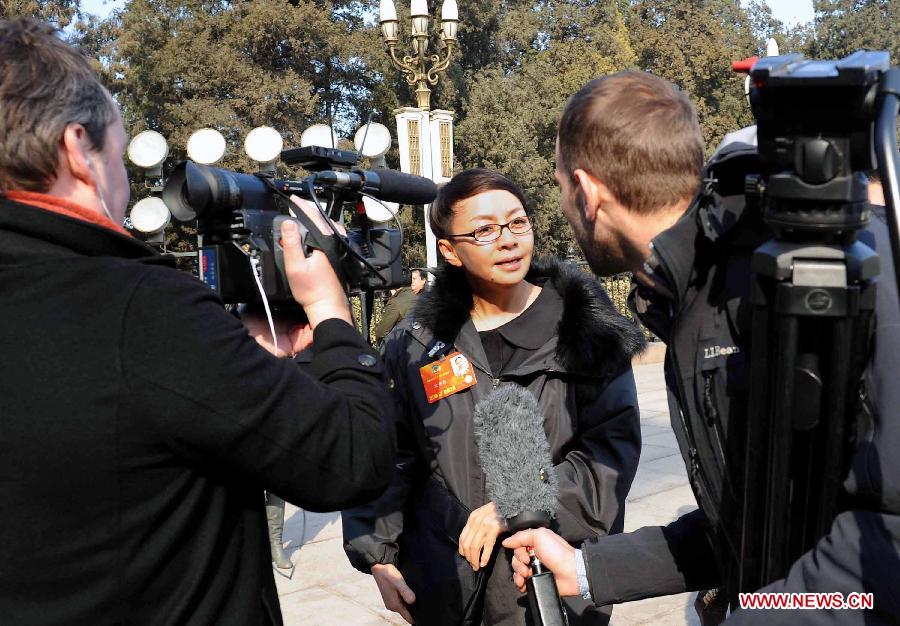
{"x":591,"y":336}
{"x":710,"y":221}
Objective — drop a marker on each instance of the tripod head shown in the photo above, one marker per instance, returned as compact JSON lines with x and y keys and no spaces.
{"x":815,"y":122}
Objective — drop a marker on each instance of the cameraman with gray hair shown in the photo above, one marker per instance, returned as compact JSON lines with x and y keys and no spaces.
{"x":141,"y":423}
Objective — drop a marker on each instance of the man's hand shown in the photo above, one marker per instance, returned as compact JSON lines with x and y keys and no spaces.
{"x":554,"y":553}
{"x":291,"y":337}
{"x":476,"y":541}
{"x":313,"y":282}
{"x":395,"y":593}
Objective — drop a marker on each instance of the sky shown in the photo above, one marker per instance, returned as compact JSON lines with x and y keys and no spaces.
{"x":791,"y":12}
{"x":100,"y":7}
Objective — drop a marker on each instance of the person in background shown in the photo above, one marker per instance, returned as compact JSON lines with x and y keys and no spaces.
{"x":400,"y":303}
{"x":431,"y":542}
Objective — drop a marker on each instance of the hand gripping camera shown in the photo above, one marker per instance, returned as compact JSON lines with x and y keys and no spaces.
{"x":239,"y":219}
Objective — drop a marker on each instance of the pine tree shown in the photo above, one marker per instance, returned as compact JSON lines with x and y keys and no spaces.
{"x":692,"y":44}
{"x":844,"y":26}
{"x":61,"y":12}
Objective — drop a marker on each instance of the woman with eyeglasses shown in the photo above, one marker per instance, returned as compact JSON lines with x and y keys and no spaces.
{"x":431,"y":541}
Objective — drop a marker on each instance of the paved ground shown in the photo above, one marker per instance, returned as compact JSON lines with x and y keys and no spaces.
{"x":325,"y":591}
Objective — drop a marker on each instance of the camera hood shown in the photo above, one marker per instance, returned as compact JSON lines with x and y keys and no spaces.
{"x":198,"y":191}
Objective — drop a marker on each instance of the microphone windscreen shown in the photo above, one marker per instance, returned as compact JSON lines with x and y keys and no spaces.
{"x":514,"y":452}
{"x":404,"y":188}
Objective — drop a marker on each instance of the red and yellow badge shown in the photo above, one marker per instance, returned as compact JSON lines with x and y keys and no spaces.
{"x":447,"y":376}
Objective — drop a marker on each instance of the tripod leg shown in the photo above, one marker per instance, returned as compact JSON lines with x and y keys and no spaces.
{"x":778,"y":450}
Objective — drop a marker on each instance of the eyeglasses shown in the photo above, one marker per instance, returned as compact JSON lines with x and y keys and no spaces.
{"x":491,"y":232}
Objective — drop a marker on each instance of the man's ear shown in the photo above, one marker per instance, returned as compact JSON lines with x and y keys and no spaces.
{"x":592,"y":193}
{"x":75,"y":154}
{"x":448,"y":253}
{"x":586,"y":193}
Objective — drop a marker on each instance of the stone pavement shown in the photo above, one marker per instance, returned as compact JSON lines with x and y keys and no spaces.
{"x":325,"y":590}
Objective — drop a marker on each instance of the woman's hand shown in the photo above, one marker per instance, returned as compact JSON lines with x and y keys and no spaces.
{"x":395,"y":593}
{"x":477,"y":539}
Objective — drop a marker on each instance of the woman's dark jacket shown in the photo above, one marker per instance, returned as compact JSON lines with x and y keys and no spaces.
{"x":579,"y":369}
{"x":140,"y":425}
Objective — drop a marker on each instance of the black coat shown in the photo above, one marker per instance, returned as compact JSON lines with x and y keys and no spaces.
{"x":579,"y":369}
{"x":140,"y":425}
{"x":703,"y":264}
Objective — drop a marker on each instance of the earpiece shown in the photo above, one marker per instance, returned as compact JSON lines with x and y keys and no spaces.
{"x":90,"y":164}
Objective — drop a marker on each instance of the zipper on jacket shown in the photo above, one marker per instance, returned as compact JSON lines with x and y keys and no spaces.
{"x":495,"y":382}
{"x":712,"y":414}
{"x":697,"y":477}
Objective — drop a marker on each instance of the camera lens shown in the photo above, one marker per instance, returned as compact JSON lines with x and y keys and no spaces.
{"x":198,"y":191}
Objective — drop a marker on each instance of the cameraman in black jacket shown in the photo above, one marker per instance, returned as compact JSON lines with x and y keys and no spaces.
{"x":629,"y":157}
{"x":139,"y":422}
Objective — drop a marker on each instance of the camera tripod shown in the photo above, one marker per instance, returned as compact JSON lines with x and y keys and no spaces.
{"x":813,"y":297}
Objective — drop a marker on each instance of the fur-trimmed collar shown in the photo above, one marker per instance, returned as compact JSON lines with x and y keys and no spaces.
{"x":593,"y":337}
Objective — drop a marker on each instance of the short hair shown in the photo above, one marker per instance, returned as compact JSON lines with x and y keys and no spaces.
{"x":464,"y":185}
{"x":638,"y":134}
{"x":422,"y":274}
{"x":45,"y":85}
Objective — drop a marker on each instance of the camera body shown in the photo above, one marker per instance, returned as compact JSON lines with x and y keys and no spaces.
{"x":238,"y":233}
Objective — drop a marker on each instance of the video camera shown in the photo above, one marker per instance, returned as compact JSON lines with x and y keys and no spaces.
{"x":239,"y":219}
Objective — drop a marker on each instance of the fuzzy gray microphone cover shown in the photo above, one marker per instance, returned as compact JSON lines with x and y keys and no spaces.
{"x":514,"y":452}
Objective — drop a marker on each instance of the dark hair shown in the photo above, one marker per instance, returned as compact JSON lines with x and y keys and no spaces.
{"x":464,"y":185}
{"x":422,"y":274}
{"x":45,"y":85}
{"x":638,"y":134}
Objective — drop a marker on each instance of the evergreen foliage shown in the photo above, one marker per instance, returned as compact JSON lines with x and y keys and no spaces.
{"x":178,"y":65}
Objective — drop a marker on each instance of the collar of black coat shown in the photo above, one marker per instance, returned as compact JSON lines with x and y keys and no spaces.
{"x":674,"y":252}
{"x":592,"y":337}
{"x":27,"y":233}
{"x":537,"y":323}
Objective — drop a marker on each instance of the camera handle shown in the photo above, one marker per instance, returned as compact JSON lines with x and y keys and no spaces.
{"x":279,"y":248}
{"x":812,"y":322}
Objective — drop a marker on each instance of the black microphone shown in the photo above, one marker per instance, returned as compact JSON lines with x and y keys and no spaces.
{"x":384,"y":184}
{"x":518,"y":469}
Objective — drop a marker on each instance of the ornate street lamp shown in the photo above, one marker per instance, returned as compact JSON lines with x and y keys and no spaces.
{"x":414,"y":66}
{"x":425,"y":137}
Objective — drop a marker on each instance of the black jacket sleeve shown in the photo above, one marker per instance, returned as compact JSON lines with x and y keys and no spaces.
{"x":596,"y":474}
{"x":860,"y":554}
{"x":371,"y":532}
{"x":652,"y":561}
{"x":322,"y":438}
